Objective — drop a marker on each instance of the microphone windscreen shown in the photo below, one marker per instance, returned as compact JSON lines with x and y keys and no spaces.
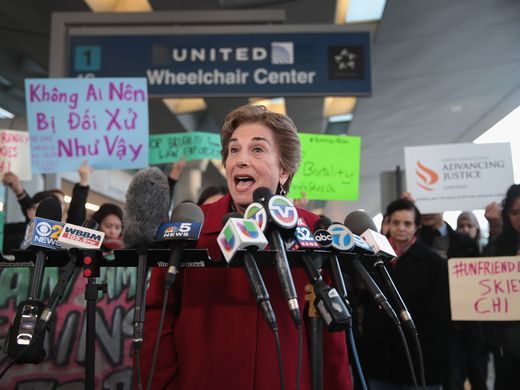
{"x":358,"y":221}
{"x":233,"y":214}
{"x":261,"y":194}
{"x":146,"y":206}
{"x":90,"y":224}
{"x":113,"y":243}
{"x":187,"y":212}
{"x":322,"y":223}
{"x":49,"y":208}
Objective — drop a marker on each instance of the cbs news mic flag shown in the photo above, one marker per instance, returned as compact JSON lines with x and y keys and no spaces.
{"x":42,"y":232}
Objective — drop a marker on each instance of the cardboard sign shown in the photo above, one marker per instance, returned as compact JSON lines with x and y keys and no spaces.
{"x":15,"y":153}
{"x":485,"y":288}
{"x":104,"y":121}
{"x":329,"y":169}
{"x":168,"y":148}
{"x":458,"y":176}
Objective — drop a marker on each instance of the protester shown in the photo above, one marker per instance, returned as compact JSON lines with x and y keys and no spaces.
{"x":110,"y":219}
{"x":214,"y":334}
{"x":421,"y":278}
{"x":211,"y":194}
{"x":504,"y":337}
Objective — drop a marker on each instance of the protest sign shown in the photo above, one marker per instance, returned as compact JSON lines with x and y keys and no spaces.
{"x":104,"y":121}
{"x":485,"y":288}
{"x":458,"y":176}
{"x":168,"y":148}
{"x":15,"y":153}
{"x":329,"y":169}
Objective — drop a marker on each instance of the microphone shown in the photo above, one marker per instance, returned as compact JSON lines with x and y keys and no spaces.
{"x":362,"y":223}
{"x":281,"y":215}
{"x":146,"y":206}
{"x":344,"y":241}
{"x":24,"y":342}
{"x":182,"y":231}
{"x":239,"y":233}
{"x":328,"y":302}
{"x":324,"y":240}
{"x":73,"y":237}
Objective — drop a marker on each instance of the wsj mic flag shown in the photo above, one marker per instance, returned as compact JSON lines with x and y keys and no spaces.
{"x":298,"y":60}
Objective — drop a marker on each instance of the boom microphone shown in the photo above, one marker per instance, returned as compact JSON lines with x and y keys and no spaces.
{"x":282,"y":215}
{"x":181,"y":232}
{"x":146,"y":206}
{"x":237,"y":234}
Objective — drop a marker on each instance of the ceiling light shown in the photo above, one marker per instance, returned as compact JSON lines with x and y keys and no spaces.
{"x":274,"y":104}
{"x":338,"y":106}
{"x":185,"y":105}
{"x":119,"y":5}
{"x":5,"y":114}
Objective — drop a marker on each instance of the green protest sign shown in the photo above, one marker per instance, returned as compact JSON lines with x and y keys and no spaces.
{"x":168,"y":148}
{"x":329,"y":168}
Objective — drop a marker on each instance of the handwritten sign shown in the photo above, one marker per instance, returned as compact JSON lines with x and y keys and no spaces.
{"x":485,"y":288}
{"x":104,"y":121}
{"x":458,"y":176}
{"x":167,"y":148}
{"x":329,"y":169}
{"x":15,"y":153}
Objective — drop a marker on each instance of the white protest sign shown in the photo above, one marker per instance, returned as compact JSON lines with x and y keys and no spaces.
{"x":458,"y":176}
{"x":15,"y":153}
{"x":485,"y":288}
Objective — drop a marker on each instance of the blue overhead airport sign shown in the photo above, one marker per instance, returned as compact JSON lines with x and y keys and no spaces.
{"x":225,"y":64}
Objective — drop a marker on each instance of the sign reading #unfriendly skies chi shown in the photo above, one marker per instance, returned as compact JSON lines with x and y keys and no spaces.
{"x":102,"y":120}
{"x":329,"y":168}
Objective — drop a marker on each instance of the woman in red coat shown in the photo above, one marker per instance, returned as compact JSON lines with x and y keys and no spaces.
{"x":215,"y":336}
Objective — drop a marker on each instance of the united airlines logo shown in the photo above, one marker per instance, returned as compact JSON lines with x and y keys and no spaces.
{"x":248,"y":228}
{"x":282,"y":53}
{"x":228,"y":240}
{"x":283,"y":212}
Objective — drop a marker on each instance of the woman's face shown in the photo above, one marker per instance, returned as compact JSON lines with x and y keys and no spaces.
{"x":253,"y":162}
{"x":514,"y":215}
{"x":402,"y":226}
{"x":465,"y":226}
{"x":111,"y":225}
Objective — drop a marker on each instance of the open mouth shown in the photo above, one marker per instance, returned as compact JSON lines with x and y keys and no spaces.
{"x":243,"y":181}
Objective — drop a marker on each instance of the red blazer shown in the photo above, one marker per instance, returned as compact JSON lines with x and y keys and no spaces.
{"x":215,"y":336}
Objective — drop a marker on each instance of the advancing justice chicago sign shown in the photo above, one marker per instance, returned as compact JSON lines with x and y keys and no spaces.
{"x":212,"y":63}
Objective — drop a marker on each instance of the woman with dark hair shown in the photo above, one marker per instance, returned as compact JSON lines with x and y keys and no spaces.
{"x":211,"y":194}
{"x":504,"y":337}
{"x":421,"y":277}
{"x":110,"y":219}
{"x":214,"y":334}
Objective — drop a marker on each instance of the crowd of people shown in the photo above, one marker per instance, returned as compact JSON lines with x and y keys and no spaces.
{"x":214,"y":332}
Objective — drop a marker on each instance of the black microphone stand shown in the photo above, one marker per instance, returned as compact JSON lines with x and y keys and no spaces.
{"x":91,"y":272}
{"x":316,"y":340}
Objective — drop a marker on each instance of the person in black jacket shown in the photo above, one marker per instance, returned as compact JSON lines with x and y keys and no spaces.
{"x":467,"y":342}
{"x":504,"y":337}
{"x":421,"y":277}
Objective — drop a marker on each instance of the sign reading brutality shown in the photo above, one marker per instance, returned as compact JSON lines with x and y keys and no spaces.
{"x":329,"y":169}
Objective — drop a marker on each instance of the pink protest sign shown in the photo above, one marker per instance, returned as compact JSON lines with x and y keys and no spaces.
{"x":485,"y":288}
{"x":15,"y":153}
